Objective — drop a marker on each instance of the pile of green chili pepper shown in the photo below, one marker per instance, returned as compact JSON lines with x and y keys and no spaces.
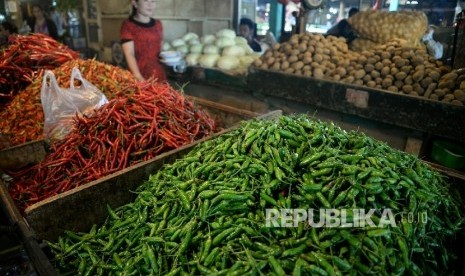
{"x":205,"y":214}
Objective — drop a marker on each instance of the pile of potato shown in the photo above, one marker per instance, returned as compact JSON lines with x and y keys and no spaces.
{"x":391,"y":66}
{"x":379,"y":27}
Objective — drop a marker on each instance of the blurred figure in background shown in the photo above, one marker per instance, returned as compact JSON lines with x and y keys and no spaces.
{"x":57,"y":18}
{"x":39,"y":23}
{"x":343,"y":28}
{"x":6,"y":29}
{"x":435,"y":49}
{"x":248,"y":30}
{"x":141,"y":40}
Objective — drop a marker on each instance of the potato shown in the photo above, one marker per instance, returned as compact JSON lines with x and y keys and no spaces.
{"x":462,"y":85}
{"x":264,"y":66}
{"x":318,"y":73}
{"x":459,"y":95}
{"x":398,"y":84}
{"x":307,"y":73}
{"x":457,"y":102}
{"x":276,"y":66}
{"x":413,"y":93}
{"x":417,"y":87}
{"x":371,"y":84}
{"x":269,"y":61}
{"x":386,"y":62}
{"x":378,"y":81}
{"x":307,"y":68}
{"x":289,"y":70}
{"x":418,"y":76}
{"x":439,"y":92}
{"x":394,"y":71}
{"x":420,"y":67}
{"x":337,"y":77}
{"x":277,"y":46}
{"x":430,"y":90}
{"x":284,"y":65}
{"x":401,"y":76}
{"x":435,"y":75}
{"x":297,"y":65}
{"x":448,"y":83}
{"x":379,"y":66}
{"x":385,"y":55}
{"x":449,"y":97}
{"x":375,"y":74}
{"x":407,"y":89}
{"x":385,"y":71}
{"x":426,"y":82}
{"x":358,"y":82}
{"x":293,"y":58}
{"x":417,"y":60}
{"x":407,"y":69}
{"x":386,"y":83}
{"x":307,"y":59}
{"x":298,"y":73}
{"x":393,"y":89}
{"x":400,"y":63}
{"x":258,"y":62}
{"x":369,"y":68}
{"x":359,"y":74}
{"x":349,"y":79}
{"x":434,"y":97}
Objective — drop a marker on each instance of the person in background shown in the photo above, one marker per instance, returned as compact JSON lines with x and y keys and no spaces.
{"x":58,"y":20}
{"x":39,"y":23}
{"x":296,"y":27}
{"x":343,"y":28}
{"x":6,"y":29}
{"x":141,"y":39}
{"x":434,"y":48}
{"x":247,"y":30}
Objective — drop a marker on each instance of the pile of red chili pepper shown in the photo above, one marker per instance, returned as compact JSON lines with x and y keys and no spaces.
{"x":26,"y":55}
{"x":149,"y":119}
{"x":22,"y":119}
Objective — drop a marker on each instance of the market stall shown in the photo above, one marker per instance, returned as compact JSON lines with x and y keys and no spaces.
{"x":155,"y":181}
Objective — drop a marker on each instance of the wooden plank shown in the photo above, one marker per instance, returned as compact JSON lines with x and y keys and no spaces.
{"x":22,"y":155}
{"x":406,"y":111}
{"x":192,"y":8}
{"x":215,"y":9}
{"x":173,"y":29}
{"x":213,"y":26}
{"x":164,"y":8}
{"x":35,"y":253}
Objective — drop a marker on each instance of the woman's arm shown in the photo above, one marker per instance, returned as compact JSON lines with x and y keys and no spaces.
{"x":128,"y":50}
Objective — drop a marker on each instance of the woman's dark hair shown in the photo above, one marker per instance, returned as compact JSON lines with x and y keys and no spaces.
{"x":249,"y":23}
{"x":353,"y":11}
{"x":10,"y":27}
{"x":133,"y":10}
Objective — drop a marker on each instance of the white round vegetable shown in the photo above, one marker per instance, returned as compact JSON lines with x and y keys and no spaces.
{"x":240,"y":40}
{"x":222,"y":42}
{"x":166,"y":46}
{"x":196,"y":49}
{"x":246,"y":60}
{"x":190,"y":36}
{"x":208,"y":39}
{"x":192,"y":59}
{"x":208,"y":60}
{"x":177,"y":42}
{"x":193,"y":41}
{"x":226,"y":33}
{"x":228,"y":62}
{"x":246,"y":48}
{"x":235,"y":51}
{"x":211,"y":49}
{"x":183,"y":49}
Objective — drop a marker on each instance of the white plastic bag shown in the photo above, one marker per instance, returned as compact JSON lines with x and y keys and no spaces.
{"x":60,"y":105}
